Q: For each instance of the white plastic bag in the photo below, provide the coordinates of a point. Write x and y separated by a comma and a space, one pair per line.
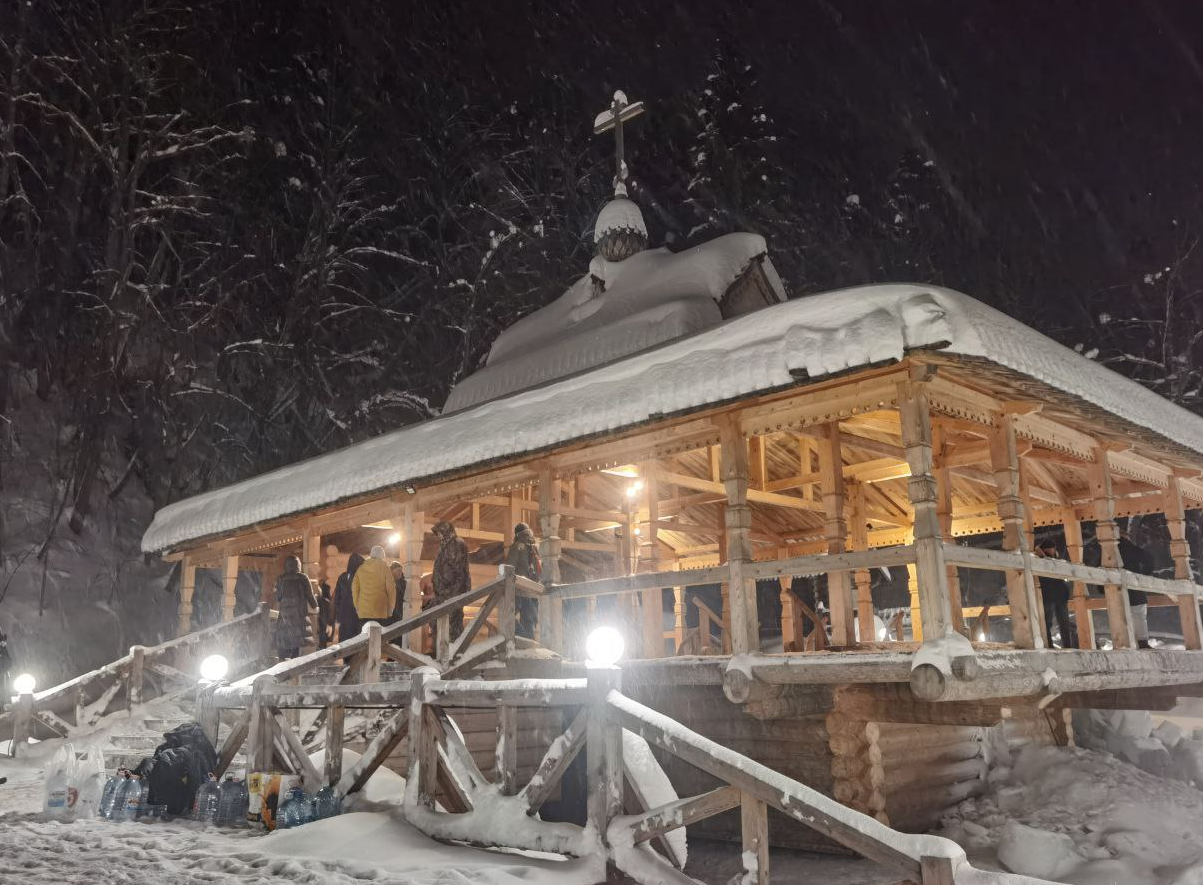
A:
90, 779
61, 792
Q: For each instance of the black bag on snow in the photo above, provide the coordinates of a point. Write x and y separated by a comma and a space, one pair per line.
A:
182, 764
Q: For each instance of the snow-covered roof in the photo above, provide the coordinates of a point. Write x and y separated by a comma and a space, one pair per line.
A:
820, 334
652, 297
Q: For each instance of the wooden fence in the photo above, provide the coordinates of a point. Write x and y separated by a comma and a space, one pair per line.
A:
144, 674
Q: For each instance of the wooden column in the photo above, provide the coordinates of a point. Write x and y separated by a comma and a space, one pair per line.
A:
551, 611
314, 568
835, 528
335, 716
422, 753
944, 515
1188, 606
863, 578
505, 761
603, 752
1119, 614
791, 624
187, 590
935, 610
1021, 589
733, 466
230, 588
411, 526
754, 821
653, 600
1080, 599
678, 616
267, 580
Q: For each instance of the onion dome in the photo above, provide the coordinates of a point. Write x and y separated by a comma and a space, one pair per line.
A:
620, 232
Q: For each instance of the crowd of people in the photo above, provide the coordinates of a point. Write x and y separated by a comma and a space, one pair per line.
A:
372, 589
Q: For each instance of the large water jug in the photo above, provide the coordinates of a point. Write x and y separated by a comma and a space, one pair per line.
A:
129, 798
233, 799
108, 799
205, 805
296, 810
326, 804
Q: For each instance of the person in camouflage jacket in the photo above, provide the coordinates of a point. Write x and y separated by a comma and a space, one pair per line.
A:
451, 575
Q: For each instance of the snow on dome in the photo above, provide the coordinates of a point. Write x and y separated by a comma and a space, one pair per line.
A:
650, 298
619, 215
761, 351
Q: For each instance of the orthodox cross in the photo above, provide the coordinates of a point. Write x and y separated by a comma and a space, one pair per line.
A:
619, 112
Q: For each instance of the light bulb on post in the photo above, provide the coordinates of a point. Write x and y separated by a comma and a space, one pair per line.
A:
394, 539
214, 668
25, 684
603, 647
632, 491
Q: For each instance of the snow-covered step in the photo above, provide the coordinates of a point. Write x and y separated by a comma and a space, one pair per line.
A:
135, 741
163, 725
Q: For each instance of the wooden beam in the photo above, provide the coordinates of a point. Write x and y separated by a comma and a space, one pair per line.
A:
683, 813
744, 629
771, 498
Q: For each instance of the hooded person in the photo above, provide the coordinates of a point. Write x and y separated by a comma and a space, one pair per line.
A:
398, 573
451, 576
373, 589
344, 606
523, 555
294, 598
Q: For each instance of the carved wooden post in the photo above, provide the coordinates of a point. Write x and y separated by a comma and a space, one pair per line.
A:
791, 632
423, 750
864, 581
1188, 606
835, 528
1021, 589
1119, 614
935, 609
678, 616
187, 590
229, 597
314, 568
260, 744
335, 716
133, 679
412, 528
744, 629
653, 600
603, 750
551, 611
944, 515
1080, 599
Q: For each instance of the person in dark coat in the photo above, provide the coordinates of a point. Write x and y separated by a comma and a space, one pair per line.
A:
325, 616
344, 603
451, 574
1137, 559
399, 582
294, 598
1055, 594
523, 555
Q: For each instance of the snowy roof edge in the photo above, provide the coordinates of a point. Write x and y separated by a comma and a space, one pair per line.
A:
765, 350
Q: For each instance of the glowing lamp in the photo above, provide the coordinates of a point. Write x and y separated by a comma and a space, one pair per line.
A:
632, 491
25, 684
394, 539
603, 647
214, 668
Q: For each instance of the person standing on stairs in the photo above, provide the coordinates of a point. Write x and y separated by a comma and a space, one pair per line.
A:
345, 615
294, 598
523, 555
398, 573
374, 590
451, 574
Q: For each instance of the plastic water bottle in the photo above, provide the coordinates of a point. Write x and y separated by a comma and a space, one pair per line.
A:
108, 799
232, 801
205, 806
296, 809
326, 804
129, 798
56, 793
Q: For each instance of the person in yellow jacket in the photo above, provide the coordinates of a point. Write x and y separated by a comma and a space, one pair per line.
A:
373, 589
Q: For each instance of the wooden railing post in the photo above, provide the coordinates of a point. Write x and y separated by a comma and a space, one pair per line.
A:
133, 679
260, 745
422, 756
1080, 598
506, 763
507, 608
187, 589
936, 871
603, 750
369, 669
208, 715
22, 722
335, 715
754, 824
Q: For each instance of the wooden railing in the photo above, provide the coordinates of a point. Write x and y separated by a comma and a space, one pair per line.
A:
263, 728
495, 811
84, 700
